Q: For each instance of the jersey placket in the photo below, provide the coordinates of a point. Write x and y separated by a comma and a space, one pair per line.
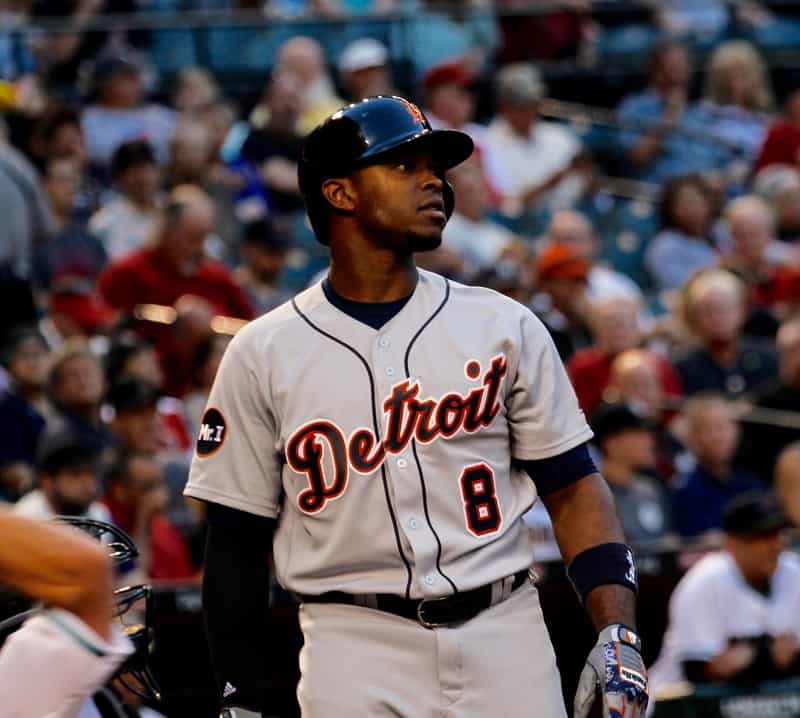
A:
403, 476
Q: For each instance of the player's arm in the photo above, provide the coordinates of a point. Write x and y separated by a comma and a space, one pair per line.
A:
235, 603
58, 566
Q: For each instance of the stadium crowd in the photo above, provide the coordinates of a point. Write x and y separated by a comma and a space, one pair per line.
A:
147, 211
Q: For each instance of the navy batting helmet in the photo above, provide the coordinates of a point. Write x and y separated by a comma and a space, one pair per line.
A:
364, 133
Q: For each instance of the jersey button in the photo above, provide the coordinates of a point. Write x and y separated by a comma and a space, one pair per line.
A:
429, 580
412, 524
402, 463
384, 342
389, 371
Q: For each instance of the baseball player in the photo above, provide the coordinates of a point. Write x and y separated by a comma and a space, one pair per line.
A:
62, 655
388, 429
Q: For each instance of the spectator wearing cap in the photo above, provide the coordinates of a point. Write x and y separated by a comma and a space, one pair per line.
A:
713, 306
532, 163
364, 69
712, 436
129, 220
627, 444
120, 113
573, 227
685, 241
450, 100
562, 303
137, 497
175, 272
733, 617
67, 478
24, 406
764, 438
263, 251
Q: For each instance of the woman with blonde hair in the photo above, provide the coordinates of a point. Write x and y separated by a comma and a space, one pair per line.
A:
737, 100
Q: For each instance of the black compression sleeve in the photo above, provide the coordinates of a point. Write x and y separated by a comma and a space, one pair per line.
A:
236, 602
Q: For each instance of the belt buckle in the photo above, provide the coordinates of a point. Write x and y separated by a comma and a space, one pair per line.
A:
420, 610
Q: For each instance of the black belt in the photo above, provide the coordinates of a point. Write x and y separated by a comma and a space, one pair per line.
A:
431, 612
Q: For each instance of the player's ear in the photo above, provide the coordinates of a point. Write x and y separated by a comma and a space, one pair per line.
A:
339, 192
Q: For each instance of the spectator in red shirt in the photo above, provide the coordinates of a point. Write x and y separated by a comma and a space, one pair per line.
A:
136, 496
175, 273
782, 144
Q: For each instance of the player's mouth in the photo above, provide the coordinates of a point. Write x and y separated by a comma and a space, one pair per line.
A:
434, 208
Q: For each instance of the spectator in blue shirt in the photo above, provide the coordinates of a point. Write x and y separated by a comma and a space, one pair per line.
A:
699, 495
655, 139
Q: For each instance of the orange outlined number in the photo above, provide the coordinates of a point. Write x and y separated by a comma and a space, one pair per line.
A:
480, 500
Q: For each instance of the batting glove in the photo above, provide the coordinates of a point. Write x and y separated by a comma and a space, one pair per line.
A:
615, 668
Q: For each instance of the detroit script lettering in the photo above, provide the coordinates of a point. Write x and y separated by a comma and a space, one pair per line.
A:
409, 418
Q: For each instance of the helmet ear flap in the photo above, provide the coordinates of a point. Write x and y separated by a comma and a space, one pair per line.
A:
449, 197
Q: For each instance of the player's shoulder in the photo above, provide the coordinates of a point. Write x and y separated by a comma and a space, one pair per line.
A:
272, 326
485, 300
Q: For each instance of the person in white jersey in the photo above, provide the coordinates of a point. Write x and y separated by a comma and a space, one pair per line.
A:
389, 429
735, 615
51, 666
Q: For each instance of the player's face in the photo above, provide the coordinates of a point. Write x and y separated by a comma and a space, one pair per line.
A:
401, 203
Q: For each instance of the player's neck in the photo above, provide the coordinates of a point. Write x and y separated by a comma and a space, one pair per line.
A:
382, 278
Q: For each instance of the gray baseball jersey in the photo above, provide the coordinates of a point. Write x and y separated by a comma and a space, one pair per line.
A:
387, 454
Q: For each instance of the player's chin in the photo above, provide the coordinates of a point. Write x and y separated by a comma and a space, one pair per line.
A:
425, 239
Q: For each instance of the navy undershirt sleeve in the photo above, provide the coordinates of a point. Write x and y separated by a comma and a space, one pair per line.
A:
558, 472
373, 314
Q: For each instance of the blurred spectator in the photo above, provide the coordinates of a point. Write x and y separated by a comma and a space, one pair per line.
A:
449, 91
219, 117
685, 242
263, 251
137, 497
67, 481
365, 69
615, 329
191, 163
780, 187
128, 221
562, 304
628, 449
77, 387
782, 144
119, 112
28, 222
129, 355
787, 482
195, 89
303, 57
575, 229
58, 135
16, 53
764, 439
713, 307
733, 617
655, 138
74, 257
530, 162
645, 381
712, 435
756, 257
204, 368
477, 240
735, 106
175, 267
706, 21
24, 406
135, 421
509, 277
274, 141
